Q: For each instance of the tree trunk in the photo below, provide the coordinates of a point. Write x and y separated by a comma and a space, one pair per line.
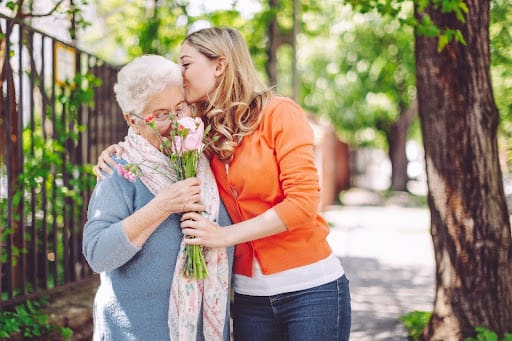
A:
397, 140
272, 45
295, 34
470, 224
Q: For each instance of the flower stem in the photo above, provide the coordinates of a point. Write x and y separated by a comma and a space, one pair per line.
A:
195, 265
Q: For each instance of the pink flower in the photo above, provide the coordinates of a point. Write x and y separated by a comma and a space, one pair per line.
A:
149, 118
126, 173
190, 134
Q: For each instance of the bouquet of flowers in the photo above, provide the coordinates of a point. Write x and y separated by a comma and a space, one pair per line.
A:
183, 146
186, 145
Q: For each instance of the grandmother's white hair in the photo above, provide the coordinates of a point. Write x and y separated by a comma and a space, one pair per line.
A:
143, 77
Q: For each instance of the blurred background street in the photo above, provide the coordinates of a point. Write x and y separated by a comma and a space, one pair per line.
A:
388, 257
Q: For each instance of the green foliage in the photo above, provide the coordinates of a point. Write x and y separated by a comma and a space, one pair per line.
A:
73, 11
156, 26
484, 334
361, 74
415, 322
356, 62
29, 320
10, 5
425, 26
50, 181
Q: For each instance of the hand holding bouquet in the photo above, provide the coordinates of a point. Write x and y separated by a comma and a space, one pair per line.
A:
184, 146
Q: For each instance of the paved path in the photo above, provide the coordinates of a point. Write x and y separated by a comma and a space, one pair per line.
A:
388, 257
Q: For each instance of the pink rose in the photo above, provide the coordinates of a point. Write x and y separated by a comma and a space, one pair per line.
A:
190, 134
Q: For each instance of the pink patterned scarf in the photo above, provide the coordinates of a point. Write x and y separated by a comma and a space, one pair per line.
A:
187, 295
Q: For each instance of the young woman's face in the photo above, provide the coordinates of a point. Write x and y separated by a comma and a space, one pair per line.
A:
199, 73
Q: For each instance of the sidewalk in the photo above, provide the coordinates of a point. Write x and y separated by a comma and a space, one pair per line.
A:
388, 257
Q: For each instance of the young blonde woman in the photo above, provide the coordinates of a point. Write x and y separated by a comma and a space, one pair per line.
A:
288, 283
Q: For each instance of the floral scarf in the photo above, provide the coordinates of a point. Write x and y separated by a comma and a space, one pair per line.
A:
187, 295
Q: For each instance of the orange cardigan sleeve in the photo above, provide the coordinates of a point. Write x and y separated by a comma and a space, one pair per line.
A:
287, 130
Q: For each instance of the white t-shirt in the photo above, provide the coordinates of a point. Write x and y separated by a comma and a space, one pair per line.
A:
303, 277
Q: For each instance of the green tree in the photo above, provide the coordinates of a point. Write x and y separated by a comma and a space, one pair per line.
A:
362, 76
470, 223
156, 26
459, 121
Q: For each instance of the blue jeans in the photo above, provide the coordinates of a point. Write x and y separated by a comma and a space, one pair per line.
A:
321, 313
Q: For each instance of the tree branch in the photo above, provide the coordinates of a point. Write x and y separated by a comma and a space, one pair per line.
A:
32, 15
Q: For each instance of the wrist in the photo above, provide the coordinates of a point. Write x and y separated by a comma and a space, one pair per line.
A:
162, 207
230, 236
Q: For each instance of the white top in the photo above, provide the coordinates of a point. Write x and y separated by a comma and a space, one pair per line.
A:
303, 277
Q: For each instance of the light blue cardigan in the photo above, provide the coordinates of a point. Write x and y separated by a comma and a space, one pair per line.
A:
132, 301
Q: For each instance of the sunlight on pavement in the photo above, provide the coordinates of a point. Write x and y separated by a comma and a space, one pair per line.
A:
388, 257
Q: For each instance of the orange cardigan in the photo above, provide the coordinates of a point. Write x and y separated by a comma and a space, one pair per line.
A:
274, 167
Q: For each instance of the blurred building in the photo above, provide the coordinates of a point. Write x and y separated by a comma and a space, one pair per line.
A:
332, 161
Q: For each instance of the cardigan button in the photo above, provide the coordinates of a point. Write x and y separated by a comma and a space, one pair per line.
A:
235, 193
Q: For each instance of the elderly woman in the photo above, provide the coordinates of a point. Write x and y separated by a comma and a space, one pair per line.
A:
133, 235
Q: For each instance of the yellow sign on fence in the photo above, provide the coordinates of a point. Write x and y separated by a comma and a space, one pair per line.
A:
65, 63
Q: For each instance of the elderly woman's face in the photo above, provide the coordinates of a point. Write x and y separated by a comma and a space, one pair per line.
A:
170, 99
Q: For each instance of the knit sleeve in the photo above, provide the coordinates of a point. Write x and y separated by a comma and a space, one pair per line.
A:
105, 244
293, 140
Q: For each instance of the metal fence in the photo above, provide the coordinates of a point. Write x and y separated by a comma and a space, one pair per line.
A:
55, 118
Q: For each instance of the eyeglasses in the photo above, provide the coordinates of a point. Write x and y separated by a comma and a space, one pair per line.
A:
162, 115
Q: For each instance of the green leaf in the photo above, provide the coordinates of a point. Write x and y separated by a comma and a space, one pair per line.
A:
11, 5
415, 322
66, 332
459, 37
442, 41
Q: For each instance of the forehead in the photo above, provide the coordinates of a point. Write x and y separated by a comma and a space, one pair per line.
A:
187, 50
168, 98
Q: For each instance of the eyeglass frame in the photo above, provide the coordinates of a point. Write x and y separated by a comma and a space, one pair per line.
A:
163, 115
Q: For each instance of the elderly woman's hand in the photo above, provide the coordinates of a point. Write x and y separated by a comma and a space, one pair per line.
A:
105, 161
181, 196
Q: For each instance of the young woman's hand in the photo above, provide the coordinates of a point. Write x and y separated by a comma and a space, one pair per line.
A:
209, 234
205, 232
105, 161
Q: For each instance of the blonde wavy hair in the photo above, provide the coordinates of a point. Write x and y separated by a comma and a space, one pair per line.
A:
234, 106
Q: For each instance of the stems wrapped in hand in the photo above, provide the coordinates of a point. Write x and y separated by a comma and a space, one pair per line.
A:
186, 145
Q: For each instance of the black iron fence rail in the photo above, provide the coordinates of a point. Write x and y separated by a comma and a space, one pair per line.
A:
52, 127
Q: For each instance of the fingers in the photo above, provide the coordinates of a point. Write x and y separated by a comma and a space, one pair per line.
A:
117, 149
100, 169
192, 241
187, 207
105, 161
107, 168
190, 216
192, 182
99, 174
191, 224
105, 157
187, 187
203, 232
